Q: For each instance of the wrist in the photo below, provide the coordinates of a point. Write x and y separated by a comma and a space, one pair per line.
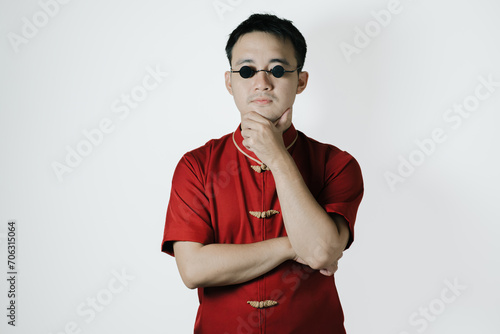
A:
288, 251
280, 162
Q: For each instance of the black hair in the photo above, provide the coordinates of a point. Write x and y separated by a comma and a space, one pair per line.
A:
274, 25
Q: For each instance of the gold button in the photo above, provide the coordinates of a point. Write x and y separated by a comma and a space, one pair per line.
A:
263, 214
262, 303
260, 169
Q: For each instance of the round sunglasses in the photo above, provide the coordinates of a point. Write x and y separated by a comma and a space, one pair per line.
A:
277, 71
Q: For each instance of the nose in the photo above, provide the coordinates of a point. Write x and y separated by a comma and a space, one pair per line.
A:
262, 81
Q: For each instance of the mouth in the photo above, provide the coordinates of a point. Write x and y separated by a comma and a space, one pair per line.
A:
262, 102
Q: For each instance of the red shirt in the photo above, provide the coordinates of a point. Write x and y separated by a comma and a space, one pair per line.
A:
216, 197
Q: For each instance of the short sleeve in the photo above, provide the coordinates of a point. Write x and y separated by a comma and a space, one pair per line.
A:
343, 189
188, 215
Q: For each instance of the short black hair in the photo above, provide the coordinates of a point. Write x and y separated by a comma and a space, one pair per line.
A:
274, 25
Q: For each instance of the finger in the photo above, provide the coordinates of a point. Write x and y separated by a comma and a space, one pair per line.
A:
248, 133
248, 123
326, 272
245, 133
330, 270
246, 144
256, 117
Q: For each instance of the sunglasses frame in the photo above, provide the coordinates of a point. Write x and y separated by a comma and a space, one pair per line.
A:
272, 71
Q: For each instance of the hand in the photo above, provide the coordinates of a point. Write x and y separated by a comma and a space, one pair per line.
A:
329, 271
263, 137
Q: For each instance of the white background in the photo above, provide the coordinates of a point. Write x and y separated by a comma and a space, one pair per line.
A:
107, 214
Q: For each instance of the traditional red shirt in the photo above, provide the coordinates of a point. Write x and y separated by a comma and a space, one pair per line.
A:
220, 194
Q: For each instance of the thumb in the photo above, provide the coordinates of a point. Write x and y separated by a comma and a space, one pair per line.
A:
284, 119
326, 272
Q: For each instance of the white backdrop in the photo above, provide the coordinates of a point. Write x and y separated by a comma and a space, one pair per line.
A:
100, 99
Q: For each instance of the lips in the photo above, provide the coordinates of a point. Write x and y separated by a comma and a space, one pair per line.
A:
262, 101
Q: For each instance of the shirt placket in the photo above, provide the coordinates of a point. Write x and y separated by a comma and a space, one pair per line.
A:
263, 218
264, 214
260, 218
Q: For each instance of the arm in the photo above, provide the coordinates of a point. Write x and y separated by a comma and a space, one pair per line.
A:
317, 238
224, 264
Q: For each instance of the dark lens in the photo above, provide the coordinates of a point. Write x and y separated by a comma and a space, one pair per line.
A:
278, 71
246, 72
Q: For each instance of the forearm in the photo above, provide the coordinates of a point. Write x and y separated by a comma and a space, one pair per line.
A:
225, 264
313, 234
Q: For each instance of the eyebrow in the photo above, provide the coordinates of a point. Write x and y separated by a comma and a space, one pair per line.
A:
279, 60
274, 60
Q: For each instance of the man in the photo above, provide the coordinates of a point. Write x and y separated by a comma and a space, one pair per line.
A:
259, 218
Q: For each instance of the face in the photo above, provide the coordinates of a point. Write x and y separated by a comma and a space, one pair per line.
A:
263, 93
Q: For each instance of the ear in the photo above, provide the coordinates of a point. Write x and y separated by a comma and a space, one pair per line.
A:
301, 85
227, 77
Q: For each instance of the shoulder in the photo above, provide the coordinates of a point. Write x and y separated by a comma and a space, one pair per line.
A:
320, 150
196, 159
214, 145
341, 172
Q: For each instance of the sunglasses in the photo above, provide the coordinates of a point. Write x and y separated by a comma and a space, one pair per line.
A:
277, 71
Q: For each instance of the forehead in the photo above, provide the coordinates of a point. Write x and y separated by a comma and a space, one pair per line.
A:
262, 48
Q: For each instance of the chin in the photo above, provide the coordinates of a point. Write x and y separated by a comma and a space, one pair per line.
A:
271, 115
268, 112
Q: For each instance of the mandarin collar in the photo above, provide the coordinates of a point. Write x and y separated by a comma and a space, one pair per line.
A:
289, 138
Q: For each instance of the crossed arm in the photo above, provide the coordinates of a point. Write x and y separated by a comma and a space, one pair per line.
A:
314, 237
224, 264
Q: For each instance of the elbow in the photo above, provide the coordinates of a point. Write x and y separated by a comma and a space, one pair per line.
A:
319, 261
190, 284
324, 257
190, 279
190, 263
